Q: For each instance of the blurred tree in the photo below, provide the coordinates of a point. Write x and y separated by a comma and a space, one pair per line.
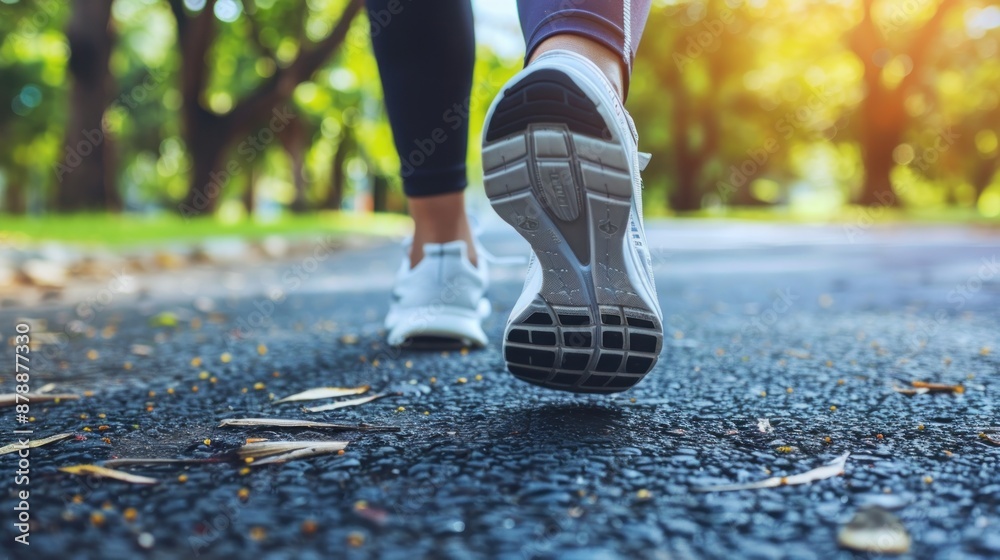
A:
893, 68
210, 134
881, 101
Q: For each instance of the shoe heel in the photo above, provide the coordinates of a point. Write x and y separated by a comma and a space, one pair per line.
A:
565, 348
555, 173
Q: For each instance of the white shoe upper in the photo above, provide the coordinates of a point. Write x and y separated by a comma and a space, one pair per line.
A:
443, 296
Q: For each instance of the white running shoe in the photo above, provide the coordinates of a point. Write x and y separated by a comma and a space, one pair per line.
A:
562, 166
441, 301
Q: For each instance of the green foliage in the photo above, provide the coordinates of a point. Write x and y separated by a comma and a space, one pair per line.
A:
740, 102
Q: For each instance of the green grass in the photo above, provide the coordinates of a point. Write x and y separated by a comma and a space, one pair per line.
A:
122, 230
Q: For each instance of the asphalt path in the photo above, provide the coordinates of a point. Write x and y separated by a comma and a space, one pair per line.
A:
810, 327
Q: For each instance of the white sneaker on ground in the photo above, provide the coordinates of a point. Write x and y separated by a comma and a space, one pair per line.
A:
441, 301
561, 165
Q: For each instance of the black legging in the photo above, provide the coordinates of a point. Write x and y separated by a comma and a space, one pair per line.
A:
426, 50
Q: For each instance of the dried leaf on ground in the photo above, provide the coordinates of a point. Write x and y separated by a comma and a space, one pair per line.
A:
287, 423
874, 529
830, 470
989, 439
377, 516
128, 461
48, 387
938, 387
45, 274
324, 393
34, 443
104, 472
269, 452
351, 402
11, 399
922, 387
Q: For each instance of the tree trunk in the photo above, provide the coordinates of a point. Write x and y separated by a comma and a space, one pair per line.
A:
876, 157
250, 194
338, 175
982, 175
209, 172
86, 179
14, 200
295, 139
380, 193
686, 196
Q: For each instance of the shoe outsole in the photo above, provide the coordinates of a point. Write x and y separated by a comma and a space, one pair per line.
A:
433, 328
554, 171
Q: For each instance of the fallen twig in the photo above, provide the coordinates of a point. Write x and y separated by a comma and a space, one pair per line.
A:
34, 443
286, 423
352, 402
324, 393
103, 472
831, 470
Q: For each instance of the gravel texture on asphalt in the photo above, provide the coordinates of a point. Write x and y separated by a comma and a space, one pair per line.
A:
809, 327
